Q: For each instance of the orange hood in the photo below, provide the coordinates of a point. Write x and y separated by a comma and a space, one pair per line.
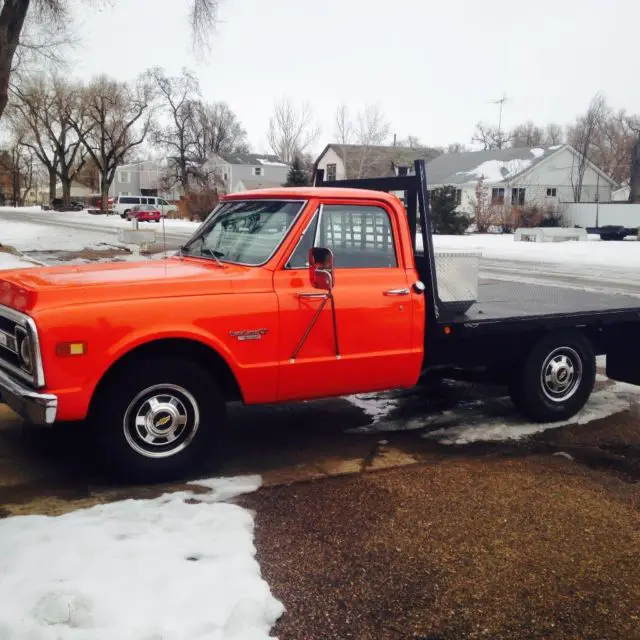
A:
48, 287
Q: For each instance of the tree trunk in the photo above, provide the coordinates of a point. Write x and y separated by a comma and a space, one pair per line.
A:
53, 179
634, 179
12, 19
66, 191
105, 193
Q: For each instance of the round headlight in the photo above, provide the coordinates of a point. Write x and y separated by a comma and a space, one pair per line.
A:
25, 354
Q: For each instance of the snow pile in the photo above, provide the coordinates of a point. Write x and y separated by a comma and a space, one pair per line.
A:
375, 407
537, 153
180, 566
497, 170
9, 261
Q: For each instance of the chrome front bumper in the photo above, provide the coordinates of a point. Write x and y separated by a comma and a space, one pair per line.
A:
31, 406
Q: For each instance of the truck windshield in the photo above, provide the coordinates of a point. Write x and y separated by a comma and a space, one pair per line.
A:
244, 231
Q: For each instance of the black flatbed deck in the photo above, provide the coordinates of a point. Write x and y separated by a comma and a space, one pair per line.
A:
500, 301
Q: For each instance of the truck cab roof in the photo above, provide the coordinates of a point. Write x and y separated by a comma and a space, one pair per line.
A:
308, 193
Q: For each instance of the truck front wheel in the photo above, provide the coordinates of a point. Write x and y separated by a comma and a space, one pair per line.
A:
157, 419
556, 379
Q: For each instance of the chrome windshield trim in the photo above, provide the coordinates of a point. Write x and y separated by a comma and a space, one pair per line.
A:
198, 233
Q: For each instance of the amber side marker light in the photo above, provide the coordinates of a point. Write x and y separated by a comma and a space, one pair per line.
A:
67, 349
447, 330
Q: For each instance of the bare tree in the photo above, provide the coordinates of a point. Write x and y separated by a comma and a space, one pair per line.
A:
456, 147
219, 131
553, 134
581, 137
54, 15
634, 178
19, 164
490, 137
111, 119
527, 135
176, 133
291, 130
41, 108
369, 128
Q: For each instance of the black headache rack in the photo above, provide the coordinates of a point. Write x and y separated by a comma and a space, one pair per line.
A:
416, 200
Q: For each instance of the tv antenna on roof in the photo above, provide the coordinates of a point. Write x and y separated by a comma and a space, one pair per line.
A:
501, 102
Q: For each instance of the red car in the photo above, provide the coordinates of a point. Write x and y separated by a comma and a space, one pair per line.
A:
145, 213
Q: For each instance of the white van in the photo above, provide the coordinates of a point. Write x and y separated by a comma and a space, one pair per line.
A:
123, 204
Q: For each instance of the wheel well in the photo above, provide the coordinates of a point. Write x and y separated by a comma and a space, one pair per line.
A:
182, 348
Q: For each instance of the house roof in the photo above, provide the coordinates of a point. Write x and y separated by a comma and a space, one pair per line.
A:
253, 158
251, 184
495, 166
362, 161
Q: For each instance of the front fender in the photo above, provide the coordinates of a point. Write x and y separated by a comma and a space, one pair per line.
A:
113, 330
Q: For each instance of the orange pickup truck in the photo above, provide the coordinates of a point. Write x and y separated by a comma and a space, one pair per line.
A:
285, 295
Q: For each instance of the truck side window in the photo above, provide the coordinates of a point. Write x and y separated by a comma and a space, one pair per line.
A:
360, 237
299, 257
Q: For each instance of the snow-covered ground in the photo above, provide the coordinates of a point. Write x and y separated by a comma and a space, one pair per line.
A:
27, 236
99, 221
488, 420
177, 567
592, 253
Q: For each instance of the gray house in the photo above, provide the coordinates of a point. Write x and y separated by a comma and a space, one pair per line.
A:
246, 171
142, 178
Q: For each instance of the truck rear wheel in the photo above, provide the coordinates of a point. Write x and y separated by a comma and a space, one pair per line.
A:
556, 379
157, 419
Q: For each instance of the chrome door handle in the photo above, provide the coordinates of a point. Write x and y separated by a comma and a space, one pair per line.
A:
397, 292
312, 295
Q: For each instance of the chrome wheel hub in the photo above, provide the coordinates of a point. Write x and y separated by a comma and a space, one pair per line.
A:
561, 374
161, 421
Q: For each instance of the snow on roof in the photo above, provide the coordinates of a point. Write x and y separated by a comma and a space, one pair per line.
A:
495, 166
272, 163
496, 170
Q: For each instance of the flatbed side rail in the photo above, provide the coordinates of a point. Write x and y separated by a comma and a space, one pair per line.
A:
416, 197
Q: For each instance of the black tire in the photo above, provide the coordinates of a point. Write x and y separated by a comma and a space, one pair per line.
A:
127, 212
181, 391
556, 379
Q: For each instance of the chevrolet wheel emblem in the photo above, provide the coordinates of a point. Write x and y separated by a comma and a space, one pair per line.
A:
163, 421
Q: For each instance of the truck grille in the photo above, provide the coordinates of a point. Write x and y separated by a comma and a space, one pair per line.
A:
15, 328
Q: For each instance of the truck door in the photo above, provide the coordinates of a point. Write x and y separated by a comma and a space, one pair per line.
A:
375, 308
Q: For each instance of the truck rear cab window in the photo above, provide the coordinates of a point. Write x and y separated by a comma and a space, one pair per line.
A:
361, 237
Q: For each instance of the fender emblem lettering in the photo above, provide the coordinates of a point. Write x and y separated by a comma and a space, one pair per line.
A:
249, 334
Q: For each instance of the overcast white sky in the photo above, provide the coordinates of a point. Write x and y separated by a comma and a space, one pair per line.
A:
433, 66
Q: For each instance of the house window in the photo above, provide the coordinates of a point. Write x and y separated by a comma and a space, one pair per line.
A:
551, 193
497, 196
123, 176
517, 197
331, 172
257, 171
458, 196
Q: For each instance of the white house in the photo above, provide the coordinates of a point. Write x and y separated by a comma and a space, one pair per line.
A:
519, 176
245, 171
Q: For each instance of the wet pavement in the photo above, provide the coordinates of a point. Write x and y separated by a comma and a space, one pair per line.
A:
376, 531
